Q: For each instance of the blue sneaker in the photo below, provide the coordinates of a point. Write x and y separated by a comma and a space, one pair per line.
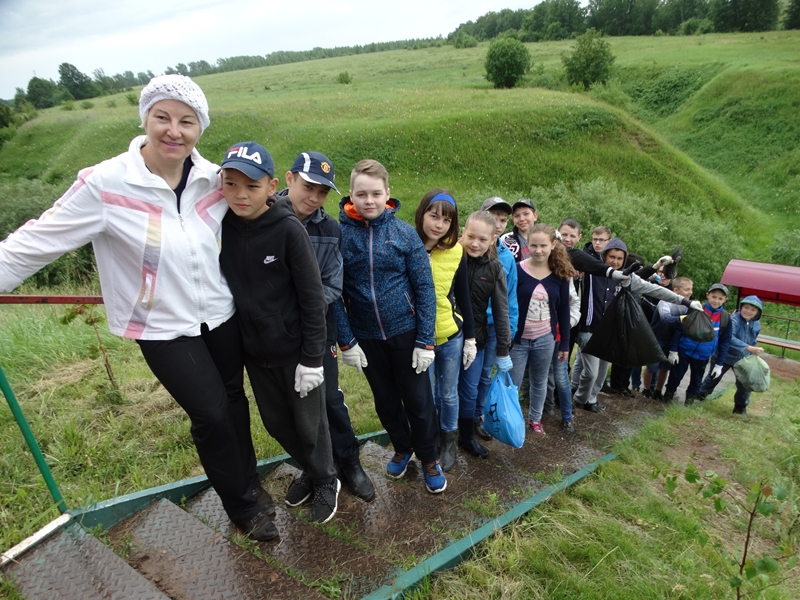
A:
397, 466
435, 480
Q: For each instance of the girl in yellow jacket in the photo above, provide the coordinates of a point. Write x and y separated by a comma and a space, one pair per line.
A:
436, 222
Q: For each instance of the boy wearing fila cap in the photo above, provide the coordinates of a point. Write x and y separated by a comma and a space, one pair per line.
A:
309, 181
272, 270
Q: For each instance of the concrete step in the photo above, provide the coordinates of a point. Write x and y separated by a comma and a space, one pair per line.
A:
189, 560
75, 565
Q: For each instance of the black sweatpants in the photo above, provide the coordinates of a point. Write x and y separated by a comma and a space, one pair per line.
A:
204, 375
299, 424
343, 438
403, 398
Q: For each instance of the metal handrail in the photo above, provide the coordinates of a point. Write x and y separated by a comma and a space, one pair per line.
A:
16, 410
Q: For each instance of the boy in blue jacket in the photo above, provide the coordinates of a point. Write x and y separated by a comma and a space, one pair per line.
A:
694, 355
386, 319
745, 327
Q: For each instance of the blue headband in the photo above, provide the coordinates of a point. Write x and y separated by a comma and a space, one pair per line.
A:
444, 198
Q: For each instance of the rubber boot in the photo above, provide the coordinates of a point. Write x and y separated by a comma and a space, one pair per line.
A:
466, 439
359, 481
447, 449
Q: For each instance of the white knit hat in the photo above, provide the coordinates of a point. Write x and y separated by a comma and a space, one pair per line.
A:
174, 87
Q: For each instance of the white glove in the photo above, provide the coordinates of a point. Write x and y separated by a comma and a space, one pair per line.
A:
354, 357
504, 364
469, 353
673, 358
663, 262
696, 305
619, 276
716, 371
421, 359
307, 378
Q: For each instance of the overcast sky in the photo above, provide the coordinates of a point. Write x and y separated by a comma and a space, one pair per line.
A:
38, 35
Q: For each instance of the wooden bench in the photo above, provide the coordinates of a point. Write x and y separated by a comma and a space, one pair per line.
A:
779, 342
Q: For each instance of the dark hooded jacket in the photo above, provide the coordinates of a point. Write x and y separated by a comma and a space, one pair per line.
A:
272, 271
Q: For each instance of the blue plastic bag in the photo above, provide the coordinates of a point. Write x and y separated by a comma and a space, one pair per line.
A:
502, 415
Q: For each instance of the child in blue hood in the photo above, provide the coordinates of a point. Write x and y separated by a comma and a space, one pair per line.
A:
745, 327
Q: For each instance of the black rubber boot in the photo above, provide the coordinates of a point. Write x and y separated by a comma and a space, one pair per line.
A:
359, 481
466, 439
447, 449
480, 431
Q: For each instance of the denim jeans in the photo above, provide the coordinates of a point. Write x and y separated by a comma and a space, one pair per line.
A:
696, 368
561, 377
489, 358
538, 354
740, 399
444, 381
468, 387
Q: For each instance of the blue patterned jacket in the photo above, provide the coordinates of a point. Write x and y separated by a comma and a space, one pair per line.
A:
388, 286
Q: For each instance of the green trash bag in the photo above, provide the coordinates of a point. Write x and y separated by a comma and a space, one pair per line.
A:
753, 373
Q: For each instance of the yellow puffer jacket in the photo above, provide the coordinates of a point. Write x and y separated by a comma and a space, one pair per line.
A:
444, 264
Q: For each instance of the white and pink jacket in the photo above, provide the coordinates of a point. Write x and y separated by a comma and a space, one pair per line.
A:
159, 270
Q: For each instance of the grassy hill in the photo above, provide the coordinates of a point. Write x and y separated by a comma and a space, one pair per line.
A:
661, 164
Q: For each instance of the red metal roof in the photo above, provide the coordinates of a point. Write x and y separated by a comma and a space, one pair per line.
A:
771, 283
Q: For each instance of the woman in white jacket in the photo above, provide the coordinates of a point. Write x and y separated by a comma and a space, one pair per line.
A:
153, 215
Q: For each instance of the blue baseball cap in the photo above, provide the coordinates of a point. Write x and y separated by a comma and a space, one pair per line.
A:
315, 167
251, 159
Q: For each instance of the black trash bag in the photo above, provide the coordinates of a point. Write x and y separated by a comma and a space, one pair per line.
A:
624, 336
697, 326
671, 270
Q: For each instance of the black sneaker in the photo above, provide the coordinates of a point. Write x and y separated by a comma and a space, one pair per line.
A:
325, 502
740, 410
628, 393
668, 396
359, 481
265, 502
567, 427
690, 400
647, 393
300, 490
594, 407
657, 395
260, 527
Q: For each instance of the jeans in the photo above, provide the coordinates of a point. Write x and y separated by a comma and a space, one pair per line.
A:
577, 369
489, 358
740, 399
444, 381
561, 375
697, 368
538, 354
468, 387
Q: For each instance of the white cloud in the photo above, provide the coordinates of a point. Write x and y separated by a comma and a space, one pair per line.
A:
38, 35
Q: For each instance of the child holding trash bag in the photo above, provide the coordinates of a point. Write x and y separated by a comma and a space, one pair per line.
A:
745, 326
436, 221
693, 355
543, 281
487, 280
598, 293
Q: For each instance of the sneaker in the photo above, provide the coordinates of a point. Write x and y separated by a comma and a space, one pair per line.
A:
628, 393
536, 426
264, 500
690, 400
300, 490
740, 410
359, 481
594, 407
668, 396
435, 481
325, 502
567, 427
657, 395
647, 393
397, 466
260, 527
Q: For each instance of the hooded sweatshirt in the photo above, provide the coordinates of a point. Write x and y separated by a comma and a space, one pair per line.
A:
600, 290
743, 333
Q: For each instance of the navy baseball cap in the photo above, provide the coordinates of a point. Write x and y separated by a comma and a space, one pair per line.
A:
251, 159
315, 167
496, 203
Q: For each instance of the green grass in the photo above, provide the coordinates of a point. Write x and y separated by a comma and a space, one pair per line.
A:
618, 535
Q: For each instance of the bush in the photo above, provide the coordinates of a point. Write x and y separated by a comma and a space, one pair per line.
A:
344, 78
507, 60
591, 60
695, 26
111, 104
86, 105
132, 99
465, 40
6, 133
68, 105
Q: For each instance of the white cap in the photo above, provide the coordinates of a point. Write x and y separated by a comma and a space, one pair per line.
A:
174, 87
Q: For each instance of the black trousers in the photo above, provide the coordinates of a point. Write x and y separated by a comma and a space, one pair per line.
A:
204, 375
403, 398
343, 438
299, 424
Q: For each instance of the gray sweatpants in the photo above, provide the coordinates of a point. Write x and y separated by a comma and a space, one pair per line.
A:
593, 374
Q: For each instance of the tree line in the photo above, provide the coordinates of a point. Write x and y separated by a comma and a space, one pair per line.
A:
561, 19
